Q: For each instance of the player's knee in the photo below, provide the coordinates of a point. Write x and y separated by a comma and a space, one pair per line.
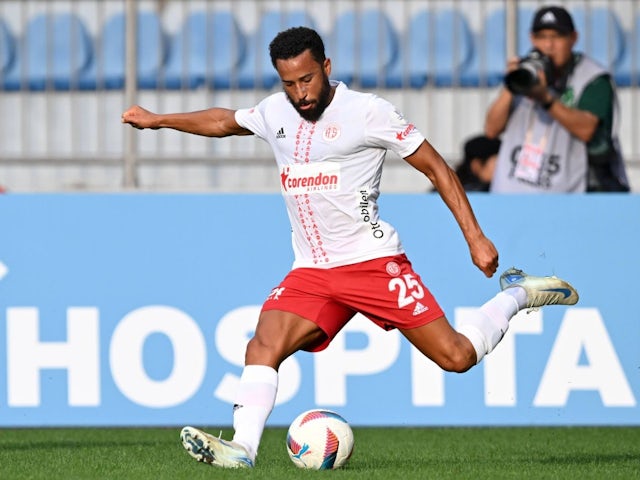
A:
456, 360
263, 352
258, 346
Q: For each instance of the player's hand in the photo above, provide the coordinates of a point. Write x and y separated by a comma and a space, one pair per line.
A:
140, 118
484, 256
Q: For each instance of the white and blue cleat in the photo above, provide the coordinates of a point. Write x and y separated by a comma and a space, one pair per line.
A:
541, 291
213, 450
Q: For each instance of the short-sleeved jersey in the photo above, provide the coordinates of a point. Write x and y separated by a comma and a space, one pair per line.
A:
330, 173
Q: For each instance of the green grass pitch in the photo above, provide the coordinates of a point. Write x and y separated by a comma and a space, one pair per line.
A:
379, 453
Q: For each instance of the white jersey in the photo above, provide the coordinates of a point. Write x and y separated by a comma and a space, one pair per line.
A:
330, 173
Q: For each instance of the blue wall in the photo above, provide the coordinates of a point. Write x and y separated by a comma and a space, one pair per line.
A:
135, 309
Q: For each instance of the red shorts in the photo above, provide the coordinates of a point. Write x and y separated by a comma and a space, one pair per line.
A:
386, 290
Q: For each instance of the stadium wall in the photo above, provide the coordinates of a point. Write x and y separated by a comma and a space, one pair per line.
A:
133, 310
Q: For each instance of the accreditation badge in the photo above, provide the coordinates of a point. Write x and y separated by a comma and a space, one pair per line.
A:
529, 163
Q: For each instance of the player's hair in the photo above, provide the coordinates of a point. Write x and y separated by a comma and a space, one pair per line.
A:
292, 42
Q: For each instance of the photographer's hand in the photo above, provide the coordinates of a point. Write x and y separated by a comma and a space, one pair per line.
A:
580, 123
540, 92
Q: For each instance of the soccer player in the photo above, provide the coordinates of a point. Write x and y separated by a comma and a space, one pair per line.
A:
329, 143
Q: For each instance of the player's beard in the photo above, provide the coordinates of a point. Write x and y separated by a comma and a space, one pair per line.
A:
314, 113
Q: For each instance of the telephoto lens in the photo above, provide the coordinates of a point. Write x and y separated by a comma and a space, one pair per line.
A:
521, 80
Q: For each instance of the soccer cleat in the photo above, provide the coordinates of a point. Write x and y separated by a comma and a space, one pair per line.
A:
212, 450
540, 290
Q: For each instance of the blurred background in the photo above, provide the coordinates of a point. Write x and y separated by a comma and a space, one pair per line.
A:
68, 68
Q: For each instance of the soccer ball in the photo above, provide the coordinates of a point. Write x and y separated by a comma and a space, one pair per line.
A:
319, 440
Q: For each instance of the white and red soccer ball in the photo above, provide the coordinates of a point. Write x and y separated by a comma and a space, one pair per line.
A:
319, 440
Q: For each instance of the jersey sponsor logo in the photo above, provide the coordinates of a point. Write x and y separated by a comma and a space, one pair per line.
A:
310, 178
280, 133
331, 133
405, 133
366, 214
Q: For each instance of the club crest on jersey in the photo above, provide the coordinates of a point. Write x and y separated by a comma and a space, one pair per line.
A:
393, 269
310, 177
331, 133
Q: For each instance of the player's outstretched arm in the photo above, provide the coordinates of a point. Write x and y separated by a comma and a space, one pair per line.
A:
427, 160
214, 122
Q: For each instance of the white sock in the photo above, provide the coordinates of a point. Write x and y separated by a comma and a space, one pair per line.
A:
519, 293
486, 329
254, 401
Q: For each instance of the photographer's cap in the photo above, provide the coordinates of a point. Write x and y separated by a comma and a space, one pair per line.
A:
553, 18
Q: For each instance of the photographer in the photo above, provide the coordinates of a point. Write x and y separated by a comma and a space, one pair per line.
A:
558, 115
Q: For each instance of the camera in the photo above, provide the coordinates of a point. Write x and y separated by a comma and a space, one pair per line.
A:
521, 80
